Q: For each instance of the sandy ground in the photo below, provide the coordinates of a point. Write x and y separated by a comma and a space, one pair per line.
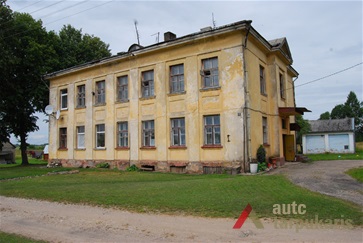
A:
56, 222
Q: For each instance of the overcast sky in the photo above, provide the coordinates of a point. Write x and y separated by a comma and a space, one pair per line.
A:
324, 37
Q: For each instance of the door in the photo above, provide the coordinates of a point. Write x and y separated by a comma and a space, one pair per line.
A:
289, 147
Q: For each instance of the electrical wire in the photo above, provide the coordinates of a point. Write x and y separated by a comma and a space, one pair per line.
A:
28, 5
71, 15
327, 76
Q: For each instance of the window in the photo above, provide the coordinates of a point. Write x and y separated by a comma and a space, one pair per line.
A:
81, 96
262, 81
147, 84
80, 137
264, 130
178, 132
123, 134
122, 88
212, 130
63, 138
210, 72
282, 86
100, 93
100, 136
148, 135
64, 99
177, 78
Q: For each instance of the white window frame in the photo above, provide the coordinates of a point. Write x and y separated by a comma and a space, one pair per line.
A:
63, 99
100, 131
123, 134
148, 133
210, 73
177, 84
177, 131
213, 130
147, 84
81, 139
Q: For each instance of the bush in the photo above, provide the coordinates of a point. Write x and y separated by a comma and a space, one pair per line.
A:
261, 154
133, 168
103, 165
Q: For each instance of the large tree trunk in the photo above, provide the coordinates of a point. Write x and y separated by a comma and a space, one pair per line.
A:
23, 147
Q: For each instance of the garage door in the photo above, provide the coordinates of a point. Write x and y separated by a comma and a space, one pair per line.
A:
338, 142
315, 144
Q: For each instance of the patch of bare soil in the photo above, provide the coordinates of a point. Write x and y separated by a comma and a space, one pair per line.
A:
57, 222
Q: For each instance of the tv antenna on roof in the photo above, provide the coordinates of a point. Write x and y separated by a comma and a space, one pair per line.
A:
157, 37
213, 21
137, 32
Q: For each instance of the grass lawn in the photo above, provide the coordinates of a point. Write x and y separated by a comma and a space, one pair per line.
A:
202, 195
13, 238
358, 155
356, 173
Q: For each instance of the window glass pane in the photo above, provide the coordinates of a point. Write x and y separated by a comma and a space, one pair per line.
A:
208, 120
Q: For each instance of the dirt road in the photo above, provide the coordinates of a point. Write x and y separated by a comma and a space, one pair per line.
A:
56, 222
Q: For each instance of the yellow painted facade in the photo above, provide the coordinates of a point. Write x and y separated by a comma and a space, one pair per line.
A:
236, 101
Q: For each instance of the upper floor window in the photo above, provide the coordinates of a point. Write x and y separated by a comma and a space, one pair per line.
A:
178, 132
177, 78
123, 133
210, 72
262, 81
81, 96
264, 130
212, 130
147, 83
122, 88
63, 99
148, 133
80, 137
100, 136
282, 86
100, 93
63, 138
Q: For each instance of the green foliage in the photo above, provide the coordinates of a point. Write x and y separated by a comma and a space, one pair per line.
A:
27, 52
104, 165
304, 128
262, 166
132, 168
352, 108
261, 154
201, 195
325, 116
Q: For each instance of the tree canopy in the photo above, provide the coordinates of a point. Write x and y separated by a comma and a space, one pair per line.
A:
352, 108
27, 52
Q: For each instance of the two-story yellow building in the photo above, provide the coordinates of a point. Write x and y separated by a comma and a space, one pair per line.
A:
201, 103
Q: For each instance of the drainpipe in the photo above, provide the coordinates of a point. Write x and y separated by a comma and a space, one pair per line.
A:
246, 113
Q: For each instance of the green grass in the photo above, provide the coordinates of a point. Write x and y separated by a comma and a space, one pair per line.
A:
202, 195
358, 155
13, 238
356, 173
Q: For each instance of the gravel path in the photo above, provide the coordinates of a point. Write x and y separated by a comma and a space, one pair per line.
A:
326, 177
57, 222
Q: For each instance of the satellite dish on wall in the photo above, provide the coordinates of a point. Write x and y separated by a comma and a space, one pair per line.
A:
57, 114
49, 109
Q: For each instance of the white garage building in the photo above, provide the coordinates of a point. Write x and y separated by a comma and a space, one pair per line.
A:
332, 136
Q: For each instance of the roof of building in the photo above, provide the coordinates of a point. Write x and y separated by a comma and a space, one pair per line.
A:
278, 45
335, 125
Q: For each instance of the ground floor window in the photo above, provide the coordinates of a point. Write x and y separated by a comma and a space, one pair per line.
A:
212, 130
80, 137
178, 132
100, 136
123, 133
63, 138
148, 133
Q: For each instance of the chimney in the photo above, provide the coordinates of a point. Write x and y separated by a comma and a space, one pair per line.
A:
169, 36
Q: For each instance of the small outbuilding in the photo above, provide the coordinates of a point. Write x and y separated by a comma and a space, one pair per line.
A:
330, 136
7, 153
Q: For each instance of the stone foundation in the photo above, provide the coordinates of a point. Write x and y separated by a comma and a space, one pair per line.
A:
195, 167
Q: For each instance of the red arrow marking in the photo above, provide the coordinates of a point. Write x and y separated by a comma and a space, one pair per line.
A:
242, 218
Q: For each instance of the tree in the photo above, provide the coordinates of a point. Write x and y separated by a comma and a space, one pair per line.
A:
325, 116
27, 52
352, 108
304, 128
